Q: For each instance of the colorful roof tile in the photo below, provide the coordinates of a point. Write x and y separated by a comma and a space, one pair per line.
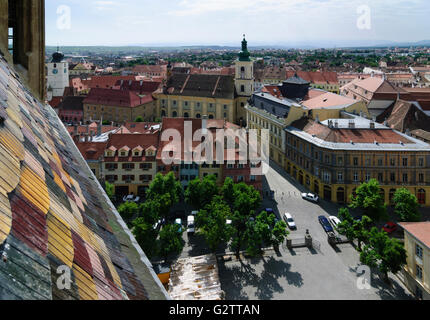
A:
55, 219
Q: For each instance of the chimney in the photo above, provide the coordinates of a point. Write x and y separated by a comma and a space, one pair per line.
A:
372, 125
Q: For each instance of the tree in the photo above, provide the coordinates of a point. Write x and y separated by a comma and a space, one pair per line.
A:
353, 229
139, 119
145, 235
369, 199
201, 192
166, 190
279, 234
406, 206
128, 210
384, 253
212, 223
152, 210
171, 241
109, 188
227, 190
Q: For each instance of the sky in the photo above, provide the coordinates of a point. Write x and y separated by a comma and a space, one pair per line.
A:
328, 23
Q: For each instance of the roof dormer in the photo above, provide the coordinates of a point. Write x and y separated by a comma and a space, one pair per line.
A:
124, 151
137, 152
150, 151
110, 152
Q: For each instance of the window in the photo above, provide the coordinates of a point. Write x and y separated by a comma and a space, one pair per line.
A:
340, 161
11, 40
392, 162
340, 176
392, 177
380, 162
419, 273
405, 162
355, 176
242, 88
421, 162
128, 166
380, 177
240, 179
405, 178
355, 161
367, 176
421, 178
419, 251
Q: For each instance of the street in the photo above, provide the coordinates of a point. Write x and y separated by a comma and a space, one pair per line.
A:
322, 273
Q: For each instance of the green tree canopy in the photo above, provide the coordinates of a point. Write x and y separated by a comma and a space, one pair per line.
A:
201, 192
109, 188
139, 119
406, 206
212, 223
146, 236
128, 210
369, 199
382, 252
171, 241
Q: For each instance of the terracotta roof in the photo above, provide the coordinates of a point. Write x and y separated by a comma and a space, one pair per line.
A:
105, 82
55, 102
91, 150
117, 98
150, 69
316, 77
131, 141
420, 230
328, 100
273, 90
347, 135
55, 214
178, 124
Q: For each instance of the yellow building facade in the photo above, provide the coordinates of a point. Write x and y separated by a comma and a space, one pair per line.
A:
417, 270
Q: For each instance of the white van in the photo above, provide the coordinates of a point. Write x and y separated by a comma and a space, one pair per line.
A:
190, 225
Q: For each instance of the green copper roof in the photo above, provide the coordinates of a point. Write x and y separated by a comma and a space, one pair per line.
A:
244, 54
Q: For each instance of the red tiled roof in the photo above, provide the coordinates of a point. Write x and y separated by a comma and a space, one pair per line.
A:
150, 69
420, 230
347, 135
317, 77
105, 82
131, 141
55, 102
178, 124
92, 127
91, 150
327, 100
120, 98
273, 90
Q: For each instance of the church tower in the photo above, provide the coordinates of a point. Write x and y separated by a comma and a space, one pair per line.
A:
244, 81
58, 74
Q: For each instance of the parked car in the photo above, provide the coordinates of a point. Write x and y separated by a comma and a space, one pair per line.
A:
179, 222
290, 221
269, 210
190, 225
390, 227
310, 197
194, 213
131, 198
228, 222
334, 221
325, 224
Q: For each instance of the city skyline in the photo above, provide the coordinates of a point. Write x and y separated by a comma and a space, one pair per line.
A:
293, 23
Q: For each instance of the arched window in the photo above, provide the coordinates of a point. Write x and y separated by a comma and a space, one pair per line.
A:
163, 113
198, 116
186, 115
174, 114
211, 116
391, 196
340, 195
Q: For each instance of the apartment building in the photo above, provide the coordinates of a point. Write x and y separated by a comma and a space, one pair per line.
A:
417, 270
333, 157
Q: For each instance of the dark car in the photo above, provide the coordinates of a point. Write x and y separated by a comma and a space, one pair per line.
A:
269, 210
325, 224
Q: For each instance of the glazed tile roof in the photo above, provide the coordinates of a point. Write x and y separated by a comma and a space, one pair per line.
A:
54, 214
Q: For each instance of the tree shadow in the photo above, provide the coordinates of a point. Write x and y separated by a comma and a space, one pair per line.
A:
235, 278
